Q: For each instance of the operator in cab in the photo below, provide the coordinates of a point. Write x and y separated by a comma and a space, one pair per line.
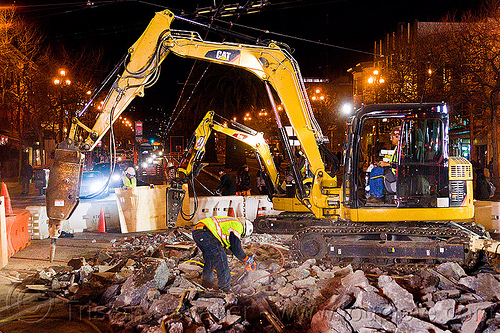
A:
129, 179
383, 171
212, 236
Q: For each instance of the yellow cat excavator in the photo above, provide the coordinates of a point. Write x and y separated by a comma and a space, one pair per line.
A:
412, 221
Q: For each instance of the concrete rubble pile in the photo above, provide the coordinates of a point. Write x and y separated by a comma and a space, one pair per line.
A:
149, 281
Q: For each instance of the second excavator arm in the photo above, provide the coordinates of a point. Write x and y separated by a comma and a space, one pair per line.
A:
190, 163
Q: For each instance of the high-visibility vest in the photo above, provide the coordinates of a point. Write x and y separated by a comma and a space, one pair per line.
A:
129, 182
222, 226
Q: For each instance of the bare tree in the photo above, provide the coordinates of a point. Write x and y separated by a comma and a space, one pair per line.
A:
468, 58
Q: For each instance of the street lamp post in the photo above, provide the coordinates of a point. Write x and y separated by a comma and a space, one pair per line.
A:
376, 80
62, 81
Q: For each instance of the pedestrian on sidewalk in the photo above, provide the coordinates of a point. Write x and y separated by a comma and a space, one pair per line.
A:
212, 236
261, 182
26, 175
243, 181
226, 185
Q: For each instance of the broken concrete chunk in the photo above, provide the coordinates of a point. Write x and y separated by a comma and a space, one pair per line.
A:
152, 329
164, 305
469, 282
151, 295
278, 281
401, 298
213, 305
484, 284
469, 298
110, 293
73, 288
308, 263
175, 327
47, 274
154, 273
451, 270
357, 281
298, 273
190, 270
473, 308
230, 319
338, 301
181, 282
412, 324
373, 302
325, 275
359, 319
258, 276
445, 294
85, 272
328, 321
443, 311
305, 283
287, 291
342, 271
488, 287
475, 323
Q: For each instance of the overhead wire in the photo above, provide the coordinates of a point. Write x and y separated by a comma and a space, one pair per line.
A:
65, 8
265, 31
173, 120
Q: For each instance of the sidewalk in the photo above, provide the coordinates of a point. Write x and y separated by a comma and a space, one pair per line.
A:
21, 201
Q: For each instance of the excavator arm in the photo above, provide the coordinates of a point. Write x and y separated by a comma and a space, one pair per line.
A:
273, 64
190, 163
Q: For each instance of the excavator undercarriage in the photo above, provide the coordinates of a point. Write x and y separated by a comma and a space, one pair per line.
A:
413, 244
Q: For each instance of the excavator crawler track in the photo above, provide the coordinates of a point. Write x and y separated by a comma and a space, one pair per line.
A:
406, 246
287, 223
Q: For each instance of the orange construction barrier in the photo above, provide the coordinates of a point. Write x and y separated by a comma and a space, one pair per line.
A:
260, 209
18, 236
230, 210
8, 205
101, 225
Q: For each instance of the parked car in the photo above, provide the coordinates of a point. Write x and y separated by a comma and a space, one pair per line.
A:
93, 182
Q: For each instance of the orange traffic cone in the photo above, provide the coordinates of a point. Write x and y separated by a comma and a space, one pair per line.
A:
260, 209
101, 225
8, 205
230, 210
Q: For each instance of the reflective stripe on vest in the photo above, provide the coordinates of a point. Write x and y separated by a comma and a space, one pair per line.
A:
222, 226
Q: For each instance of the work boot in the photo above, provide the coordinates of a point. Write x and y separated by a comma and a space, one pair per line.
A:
208, 284
374, 200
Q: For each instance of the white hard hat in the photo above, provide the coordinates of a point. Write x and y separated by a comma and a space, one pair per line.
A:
130, 171
247, 226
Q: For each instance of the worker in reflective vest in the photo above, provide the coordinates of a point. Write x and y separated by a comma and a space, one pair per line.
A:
214, 234
129, 179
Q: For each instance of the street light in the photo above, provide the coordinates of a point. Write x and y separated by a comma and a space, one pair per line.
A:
376, 80
62, 81
347, 108
318, 96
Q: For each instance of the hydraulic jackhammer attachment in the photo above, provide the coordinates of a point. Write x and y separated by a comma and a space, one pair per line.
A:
175, 198
63, 190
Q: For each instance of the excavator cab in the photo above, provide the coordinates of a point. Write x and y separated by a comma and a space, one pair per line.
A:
418, 179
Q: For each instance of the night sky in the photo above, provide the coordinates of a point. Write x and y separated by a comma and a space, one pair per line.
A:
350, 27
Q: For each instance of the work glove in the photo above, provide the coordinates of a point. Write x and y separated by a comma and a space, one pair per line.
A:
250, 261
